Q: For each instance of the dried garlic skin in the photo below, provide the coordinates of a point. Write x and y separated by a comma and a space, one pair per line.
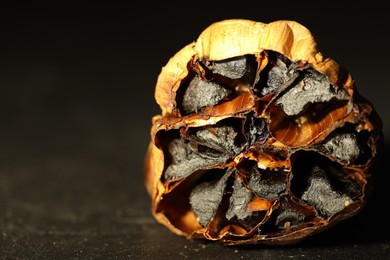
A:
261, 138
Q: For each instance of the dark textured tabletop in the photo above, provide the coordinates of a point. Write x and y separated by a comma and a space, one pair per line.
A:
76, 101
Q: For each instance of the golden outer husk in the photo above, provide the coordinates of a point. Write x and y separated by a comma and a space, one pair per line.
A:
227, 39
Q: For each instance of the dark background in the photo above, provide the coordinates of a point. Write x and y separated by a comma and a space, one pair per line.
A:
76, 101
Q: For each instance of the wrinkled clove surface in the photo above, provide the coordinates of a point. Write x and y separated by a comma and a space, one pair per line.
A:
265, 146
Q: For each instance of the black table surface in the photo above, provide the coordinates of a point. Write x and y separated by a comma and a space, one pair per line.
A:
76, 101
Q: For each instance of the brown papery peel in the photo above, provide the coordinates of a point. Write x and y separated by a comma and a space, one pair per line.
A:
261, 138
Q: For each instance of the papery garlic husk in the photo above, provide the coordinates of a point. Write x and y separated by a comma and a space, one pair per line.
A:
261, 138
